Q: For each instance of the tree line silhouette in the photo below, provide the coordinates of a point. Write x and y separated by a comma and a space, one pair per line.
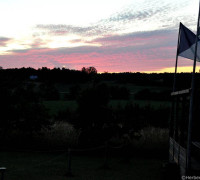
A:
88, 74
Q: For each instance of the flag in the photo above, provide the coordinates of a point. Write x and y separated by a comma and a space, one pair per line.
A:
187, 43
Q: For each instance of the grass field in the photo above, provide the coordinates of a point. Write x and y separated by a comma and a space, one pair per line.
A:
53, 166
55, 106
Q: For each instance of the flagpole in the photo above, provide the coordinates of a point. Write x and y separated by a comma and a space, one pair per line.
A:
174, 85
176, 64
191, 111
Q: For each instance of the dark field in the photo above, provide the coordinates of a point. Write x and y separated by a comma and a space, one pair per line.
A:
51, 166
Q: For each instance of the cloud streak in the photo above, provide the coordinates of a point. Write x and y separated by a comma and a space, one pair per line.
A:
156, 14
4, 41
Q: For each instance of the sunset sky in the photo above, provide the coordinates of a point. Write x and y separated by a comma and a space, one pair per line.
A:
111, 35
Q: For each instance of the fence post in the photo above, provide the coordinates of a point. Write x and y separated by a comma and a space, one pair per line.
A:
69, 164
105, 164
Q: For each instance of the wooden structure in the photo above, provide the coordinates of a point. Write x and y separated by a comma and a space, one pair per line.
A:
178, 141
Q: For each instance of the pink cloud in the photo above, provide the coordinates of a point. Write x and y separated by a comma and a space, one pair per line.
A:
122, 61
128, 53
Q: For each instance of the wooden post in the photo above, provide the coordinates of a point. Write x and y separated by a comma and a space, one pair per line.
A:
173, 108
105, 163
69, 164
106, 155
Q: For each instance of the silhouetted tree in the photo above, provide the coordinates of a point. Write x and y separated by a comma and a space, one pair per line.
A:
93, 112
89, 70
22, 114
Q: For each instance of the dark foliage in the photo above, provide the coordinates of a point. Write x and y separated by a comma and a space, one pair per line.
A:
47, 91
22, 112
146, 94
119, 92
92, 106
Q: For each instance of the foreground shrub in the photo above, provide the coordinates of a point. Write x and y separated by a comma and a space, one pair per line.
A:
61, 134
152, 138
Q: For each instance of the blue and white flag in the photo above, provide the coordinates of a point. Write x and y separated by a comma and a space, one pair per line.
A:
187, 43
